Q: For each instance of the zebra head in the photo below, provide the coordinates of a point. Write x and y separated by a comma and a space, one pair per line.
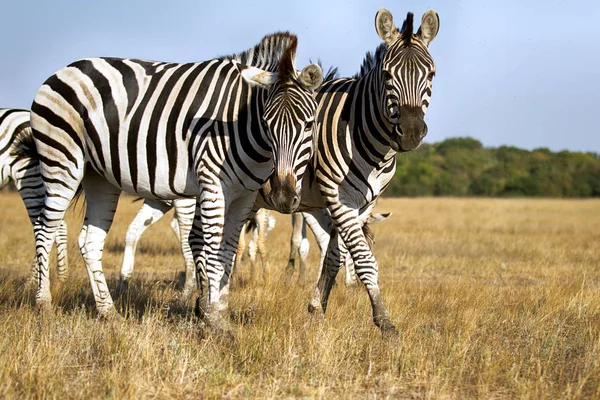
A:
288, 121
407, 72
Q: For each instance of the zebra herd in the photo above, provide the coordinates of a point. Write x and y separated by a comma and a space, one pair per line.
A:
218, 140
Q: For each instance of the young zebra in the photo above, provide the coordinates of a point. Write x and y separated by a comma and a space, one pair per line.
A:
320, 224
19, 163
364, 122
213, 130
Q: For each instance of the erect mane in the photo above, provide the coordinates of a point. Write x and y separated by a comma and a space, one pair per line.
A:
371, 60
331, 74
407, 29
274, 53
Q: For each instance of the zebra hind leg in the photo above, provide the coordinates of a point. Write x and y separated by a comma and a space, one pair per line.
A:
102, 199
184, 215
62, 260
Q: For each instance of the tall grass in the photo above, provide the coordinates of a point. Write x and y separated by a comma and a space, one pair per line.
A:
493, 299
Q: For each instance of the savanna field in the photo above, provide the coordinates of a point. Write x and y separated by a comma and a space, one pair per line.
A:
493, 299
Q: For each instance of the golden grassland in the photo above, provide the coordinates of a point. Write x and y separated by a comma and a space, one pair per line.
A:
493, 299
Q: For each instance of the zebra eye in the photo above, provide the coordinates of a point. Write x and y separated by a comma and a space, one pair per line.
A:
309, 126
430, 76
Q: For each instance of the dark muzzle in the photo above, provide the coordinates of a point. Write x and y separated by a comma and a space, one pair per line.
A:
410, 131
284, 197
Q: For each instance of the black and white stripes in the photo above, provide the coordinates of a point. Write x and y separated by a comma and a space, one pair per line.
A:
364, 121
19, 163
214, 130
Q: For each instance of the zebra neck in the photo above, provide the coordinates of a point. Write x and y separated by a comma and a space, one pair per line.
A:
372, 129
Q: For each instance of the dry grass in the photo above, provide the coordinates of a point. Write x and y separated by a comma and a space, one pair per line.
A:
493, 298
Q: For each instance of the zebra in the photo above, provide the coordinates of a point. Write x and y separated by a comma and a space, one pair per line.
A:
19, 163
320, 224
363, 122
153, 210
214, 130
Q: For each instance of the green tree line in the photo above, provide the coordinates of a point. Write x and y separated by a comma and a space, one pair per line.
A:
463, 167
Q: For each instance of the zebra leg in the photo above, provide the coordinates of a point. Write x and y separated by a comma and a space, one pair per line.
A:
348, 224
150, 213
184, 217
330, 269
295, 242
261, 238
241, 248
61, 184
350, 272
320, 225
252, 250
239, 212
206, 237
62, 260
102, 199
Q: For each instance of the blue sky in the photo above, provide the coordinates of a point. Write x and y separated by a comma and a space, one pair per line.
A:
522, 73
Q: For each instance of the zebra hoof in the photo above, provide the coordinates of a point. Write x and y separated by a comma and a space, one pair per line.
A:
315, 308
389, 331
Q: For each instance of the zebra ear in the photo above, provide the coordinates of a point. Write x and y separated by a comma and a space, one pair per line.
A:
377, 218
258, 77
311, 77
384, 24
430, 25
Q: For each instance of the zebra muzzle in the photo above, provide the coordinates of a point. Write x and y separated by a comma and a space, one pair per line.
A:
284, 197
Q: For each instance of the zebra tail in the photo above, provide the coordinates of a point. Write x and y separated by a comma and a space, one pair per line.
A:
24, 149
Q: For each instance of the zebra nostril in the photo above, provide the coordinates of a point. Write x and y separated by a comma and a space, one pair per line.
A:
295, 202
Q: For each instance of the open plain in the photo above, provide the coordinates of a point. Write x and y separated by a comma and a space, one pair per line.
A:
494, 298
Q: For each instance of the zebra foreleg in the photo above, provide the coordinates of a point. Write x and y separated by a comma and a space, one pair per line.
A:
298, 227
206, 237
102, 199
184, 215
150, 213
349, 227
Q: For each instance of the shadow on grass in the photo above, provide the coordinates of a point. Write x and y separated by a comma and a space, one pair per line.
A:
145, 294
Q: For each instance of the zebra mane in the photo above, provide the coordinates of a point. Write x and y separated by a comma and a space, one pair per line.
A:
331, 74
407, 29
274, 53
371, 60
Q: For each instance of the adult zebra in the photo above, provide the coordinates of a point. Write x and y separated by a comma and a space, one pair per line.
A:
19, 163
152, 210
363, 122
214, 130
